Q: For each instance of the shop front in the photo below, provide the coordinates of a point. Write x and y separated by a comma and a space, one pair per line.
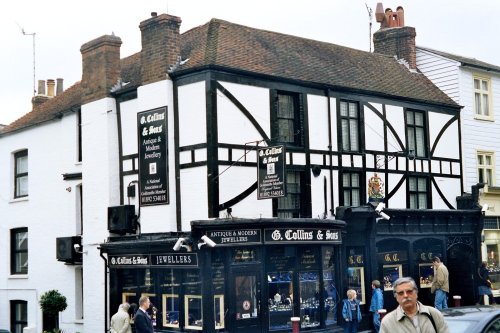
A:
233, 275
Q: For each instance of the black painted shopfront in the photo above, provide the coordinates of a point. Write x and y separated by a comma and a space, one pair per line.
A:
259, 274
405, 244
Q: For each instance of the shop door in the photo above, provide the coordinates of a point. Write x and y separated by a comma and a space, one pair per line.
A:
245, 305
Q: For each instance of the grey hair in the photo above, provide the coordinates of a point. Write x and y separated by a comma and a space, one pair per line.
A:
404, 280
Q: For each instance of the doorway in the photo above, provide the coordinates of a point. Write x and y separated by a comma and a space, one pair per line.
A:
245, 307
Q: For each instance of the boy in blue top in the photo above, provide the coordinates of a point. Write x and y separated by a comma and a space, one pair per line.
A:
351, 312
376, 304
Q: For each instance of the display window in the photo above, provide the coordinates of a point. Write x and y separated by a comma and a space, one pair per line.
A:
391, 273
329, 286
356, 272
426, 275
280, 289
309, 289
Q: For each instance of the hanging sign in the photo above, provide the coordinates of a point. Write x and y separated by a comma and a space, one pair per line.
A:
153, 170
271, 172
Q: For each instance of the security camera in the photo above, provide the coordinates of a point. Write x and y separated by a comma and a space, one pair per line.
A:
485, 208
206, 241
179, 243
379, 208
384, 216
77, 247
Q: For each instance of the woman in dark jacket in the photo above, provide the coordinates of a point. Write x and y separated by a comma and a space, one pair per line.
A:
484, 284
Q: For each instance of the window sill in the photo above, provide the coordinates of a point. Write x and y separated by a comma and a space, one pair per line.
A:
18, 276
484, 118
26, 198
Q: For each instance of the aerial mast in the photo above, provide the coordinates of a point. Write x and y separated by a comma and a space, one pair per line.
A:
33, 34
370, 16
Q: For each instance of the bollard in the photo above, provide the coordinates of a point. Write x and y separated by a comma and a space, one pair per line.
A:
382, 313
456, 300
295, 324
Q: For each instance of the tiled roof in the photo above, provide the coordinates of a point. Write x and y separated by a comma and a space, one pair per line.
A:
230, 46
227, 46
464, 60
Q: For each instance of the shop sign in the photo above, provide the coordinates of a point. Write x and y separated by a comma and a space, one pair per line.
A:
392, 257
174, 260
302, 235
156, 260
240, 237
152, 141
133, 260
271, 172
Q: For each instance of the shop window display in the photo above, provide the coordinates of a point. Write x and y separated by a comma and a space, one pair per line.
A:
331, 296
310, 298
356, 272
280, 287
391, 273
493, 265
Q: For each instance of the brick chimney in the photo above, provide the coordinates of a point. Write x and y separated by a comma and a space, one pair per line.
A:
160, 46
393, 38
60, 87
100, 67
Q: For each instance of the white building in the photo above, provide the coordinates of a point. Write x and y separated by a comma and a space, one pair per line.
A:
475, 85
168, 138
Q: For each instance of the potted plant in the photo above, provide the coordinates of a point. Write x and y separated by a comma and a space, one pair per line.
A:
51, 303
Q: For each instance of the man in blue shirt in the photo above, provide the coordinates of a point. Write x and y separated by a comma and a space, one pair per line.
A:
376, 304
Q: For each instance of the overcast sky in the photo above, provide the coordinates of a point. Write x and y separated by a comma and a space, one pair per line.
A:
467, 28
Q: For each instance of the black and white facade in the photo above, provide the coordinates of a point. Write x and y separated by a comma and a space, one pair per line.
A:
234, 175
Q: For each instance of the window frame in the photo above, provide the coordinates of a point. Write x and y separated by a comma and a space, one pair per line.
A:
298, 119
13, 315
14, 251
18, 175
349, 119
351, 188
415, 151
478, 113
484, 167
297, 211
418, 192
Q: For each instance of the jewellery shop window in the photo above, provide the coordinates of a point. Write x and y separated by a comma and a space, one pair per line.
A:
310, 292
356, 272
331, 294
393, 256
424, 250
280, 265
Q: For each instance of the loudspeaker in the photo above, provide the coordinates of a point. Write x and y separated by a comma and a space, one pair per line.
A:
121, 219
65, 249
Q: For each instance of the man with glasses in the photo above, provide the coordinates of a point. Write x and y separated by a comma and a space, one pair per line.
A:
411, 316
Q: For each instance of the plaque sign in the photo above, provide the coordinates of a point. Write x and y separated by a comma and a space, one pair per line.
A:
153, 162
231, 237
302, 235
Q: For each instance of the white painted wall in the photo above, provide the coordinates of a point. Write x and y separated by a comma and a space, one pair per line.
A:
48, 212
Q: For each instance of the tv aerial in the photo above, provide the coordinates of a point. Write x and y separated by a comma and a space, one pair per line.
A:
32, 34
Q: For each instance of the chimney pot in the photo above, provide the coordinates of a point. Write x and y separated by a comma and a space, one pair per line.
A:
50, 87
60, 87
41, 87
154, 14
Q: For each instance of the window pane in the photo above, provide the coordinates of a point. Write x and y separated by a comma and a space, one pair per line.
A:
486, 111
480, 159
487, 159
355, 201
409, 118
477, 103
347, 198
413, 184
21, 186
343, 109
22, 164
354, 135
355, 180
484, 85
419, 119
420, 142
346, 180
413, 201
477, 85
422, 184
489, 177
481, 175
345, 134
411, 138
21, 241
422, 201
353, 110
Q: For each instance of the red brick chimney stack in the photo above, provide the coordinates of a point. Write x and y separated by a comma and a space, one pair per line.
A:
160, 46
394, 38
100, 67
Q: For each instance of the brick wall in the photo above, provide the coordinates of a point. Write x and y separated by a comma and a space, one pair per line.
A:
397, 41
160, 46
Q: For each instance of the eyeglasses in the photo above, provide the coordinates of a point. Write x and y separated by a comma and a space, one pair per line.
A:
407, 292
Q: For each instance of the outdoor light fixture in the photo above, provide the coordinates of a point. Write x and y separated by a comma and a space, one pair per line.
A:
206, 241
78, 248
